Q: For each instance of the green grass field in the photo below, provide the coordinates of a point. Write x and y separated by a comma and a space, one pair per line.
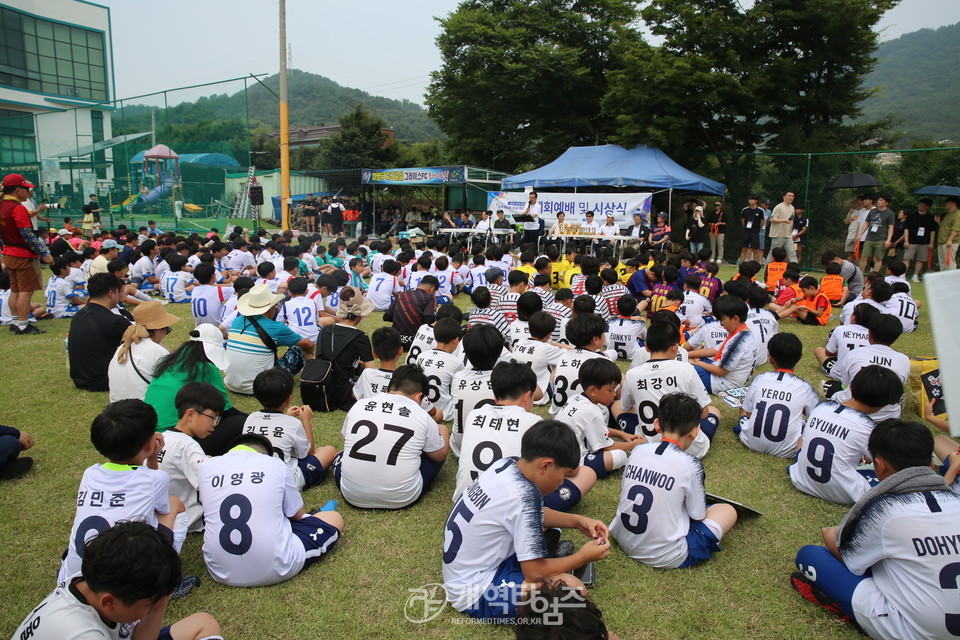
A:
361, 588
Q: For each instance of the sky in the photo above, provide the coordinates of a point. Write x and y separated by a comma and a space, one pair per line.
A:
384, 47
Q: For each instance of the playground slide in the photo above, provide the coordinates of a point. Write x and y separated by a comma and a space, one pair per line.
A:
160, 191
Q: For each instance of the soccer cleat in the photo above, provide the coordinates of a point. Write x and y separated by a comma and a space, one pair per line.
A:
915, 278
13, 328
30, 330
189, 584
811, 593
16, 469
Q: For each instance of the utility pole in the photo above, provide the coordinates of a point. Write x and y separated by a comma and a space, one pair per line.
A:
284, 124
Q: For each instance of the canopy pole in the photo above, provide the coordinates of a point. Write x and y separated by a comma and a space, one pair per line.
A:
670, 210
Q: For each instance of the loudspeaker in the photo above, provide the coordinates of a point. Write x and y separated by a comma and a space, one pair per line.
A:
256, 195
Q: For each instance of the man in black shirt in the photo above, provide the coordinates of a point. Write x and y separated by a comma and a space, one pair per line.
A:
921, 235
95, 334
751, 218
502, 223
60, 246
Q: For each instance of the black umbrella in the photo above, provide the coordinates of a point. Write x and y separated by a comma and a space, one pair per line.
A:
853, 181
938, 190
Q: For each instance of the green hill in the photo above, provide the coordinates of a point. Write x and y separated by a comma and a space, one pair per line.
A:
918, 75
313, 99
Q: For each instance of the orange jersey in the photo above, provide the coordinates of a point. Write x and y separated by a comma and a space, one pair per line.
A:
788, 293
832, 287
774, 273
819, 302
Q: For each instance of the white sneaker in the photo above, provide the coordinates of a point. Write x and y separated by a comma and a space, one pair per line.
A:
915, 278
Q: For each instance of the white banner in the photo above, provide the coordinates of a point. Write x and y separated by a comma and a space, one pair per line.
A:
575, 205
943, 298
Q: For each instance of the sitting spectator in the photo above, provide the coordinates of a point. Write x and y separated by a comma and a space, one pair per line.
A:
346, 347
12, 442
135, 360
95, 334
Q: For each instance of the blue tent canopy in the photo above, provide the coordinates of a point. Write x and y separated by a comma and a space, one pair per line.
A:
612, 165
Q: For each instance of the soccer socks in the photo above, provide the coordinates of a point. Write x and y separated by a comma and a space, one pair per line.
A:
619, 458
140, 295
180, 525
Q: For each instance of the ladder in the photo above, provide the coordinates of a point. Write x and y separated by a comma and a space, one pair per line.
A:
239, 210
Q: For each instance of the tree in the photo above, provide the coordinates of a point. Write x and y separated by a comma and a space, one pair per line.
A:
359, 143
522, 81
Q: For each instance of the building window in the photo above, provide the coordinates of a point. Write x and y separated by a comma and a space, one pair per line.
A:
18, 143
99, 157
50, 57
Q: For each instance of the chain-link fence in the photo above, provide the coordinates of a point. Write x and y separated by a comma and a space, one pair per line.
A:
162, 156
900, 173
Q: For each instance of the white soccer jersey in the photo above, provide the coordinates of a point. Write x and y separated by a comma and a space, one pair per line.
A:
472, 389
383, 286
448, 280
589, 423
207, 301
287, 435
142, 268
646, 384
846, 338
643, 356
559, 313
894, 279
492, 432
413, 279
333, 300
193, 262
247, 500
498, 516
739, 357
907, 542
709, 336
834, 441
764, 324
507, 305
300, 314
78, 278
542, 357
624, 336
65, 615
566, 377
777, 402
440, 367
905, 308
173, 285
693, 308
870, 354
662, 491
478, 277
240, 261
384, 437
162, 268
519, 330
848, 308
58, 293
180, 458
273, 283
422, 343
109, 493
6, 316
371, 382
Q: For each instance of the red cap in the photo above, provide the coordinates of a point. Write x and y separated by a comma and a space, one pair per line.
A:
16, 180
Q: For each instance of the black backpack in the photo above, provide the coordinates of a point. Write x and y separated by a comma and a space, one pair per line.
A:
319, 386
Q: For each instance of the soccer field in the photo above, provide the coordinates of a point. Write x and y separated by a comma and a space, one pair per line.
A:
361, 588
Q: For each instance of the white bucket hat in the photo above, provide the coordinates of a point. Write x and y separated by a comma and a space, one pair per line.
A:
212, 340
258, 301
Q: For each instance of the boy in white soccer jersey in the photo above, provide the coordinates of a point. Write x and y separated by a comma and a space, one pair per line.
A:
539, 354
835, 439
528, 304
62, 299
128, 576
846, 338
890, 566
662, 519
694, 306
257, 532
393, 450
733, 363
493, 544
267, 274
884, 331
761, 321
587, 334
645, 385
300, 312
199, 406
289, 429
123, 488
384, 285
207, 299
507, 303
626, 331
484, 311
772, 413
482, 346
904, 307
587, 413
441, 364
424, 340
176, 283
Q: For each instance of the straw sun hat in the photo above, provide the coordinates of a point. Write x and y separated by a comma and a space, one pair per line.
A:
258, 301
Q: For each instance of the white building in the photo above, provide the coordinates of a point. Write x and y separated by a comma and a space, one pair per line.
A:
56, 88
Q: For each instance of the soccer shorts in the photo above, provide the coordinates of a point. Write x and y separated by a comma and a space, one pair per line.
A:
318, 537
499, 601
313, 472
751, 239
703, 540
709, 425
809, 319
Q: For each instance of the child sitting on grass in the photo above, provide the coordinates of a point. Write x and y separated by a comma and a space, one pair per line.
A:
289, 428
733, 363
834, 286
812, 308
587, 334
663, 519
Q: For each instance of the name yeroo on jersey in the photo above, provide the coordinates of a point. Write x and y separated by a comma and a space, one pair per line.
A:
937, 545
650, 477
828, 427
776, 394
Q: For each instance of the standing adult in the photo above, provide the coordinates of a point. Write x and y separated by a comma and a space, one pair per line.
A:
91, 215
22, 251
751, 219
921, 236
878, 234
764, 228
949, 227
310, 214
136, 359
531, 230
781, 226
95, 333
717, 220
697, 231
801, 226
336, 210
855, 218
36, 211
